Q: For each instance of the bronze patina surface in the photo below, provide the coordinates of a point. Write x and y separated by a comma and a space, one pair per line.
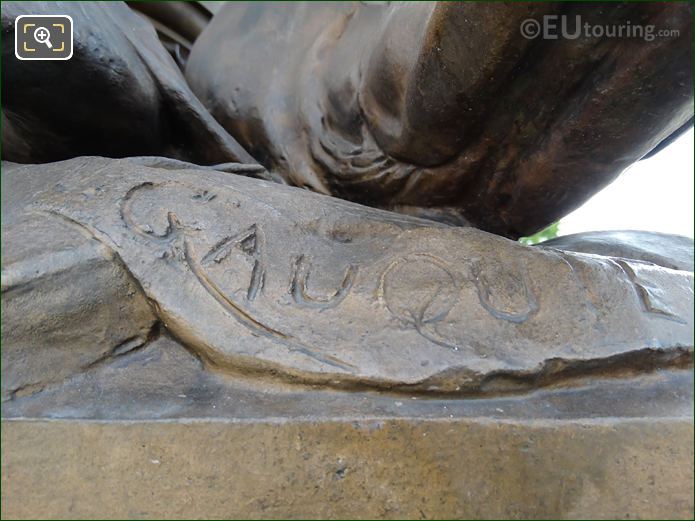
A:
119, 95
257, 277
181, 342
185, 337
445, 110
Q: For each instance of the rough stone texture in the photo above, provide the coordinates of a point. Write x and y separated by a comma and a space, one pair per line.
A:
444, 109
367, 468
256, 278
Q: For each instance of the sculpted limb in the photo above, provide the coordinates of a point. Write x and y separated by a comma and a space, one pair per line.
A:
445, 110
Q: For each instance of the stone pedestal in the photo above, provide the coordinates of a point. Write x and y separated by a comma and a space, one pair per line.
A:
242, 449
342, 469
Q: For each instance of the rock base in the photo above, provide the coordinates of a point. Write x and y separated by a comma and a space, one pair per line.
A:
359, 466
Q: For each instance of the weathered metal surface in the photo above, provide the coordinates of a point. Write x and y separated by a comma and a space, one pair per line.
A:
259, 278
445, 109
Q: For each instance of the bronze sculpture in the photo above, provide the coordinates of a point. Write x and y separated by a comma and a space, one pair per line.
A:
445, 110
165, 285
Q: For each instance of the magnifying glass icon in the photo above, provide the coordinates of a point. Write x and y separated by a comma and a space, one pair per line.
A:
42, 35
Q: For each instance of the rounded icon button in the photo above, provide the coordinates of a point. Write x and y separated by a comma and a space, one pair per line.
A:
530, 28
42, 35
